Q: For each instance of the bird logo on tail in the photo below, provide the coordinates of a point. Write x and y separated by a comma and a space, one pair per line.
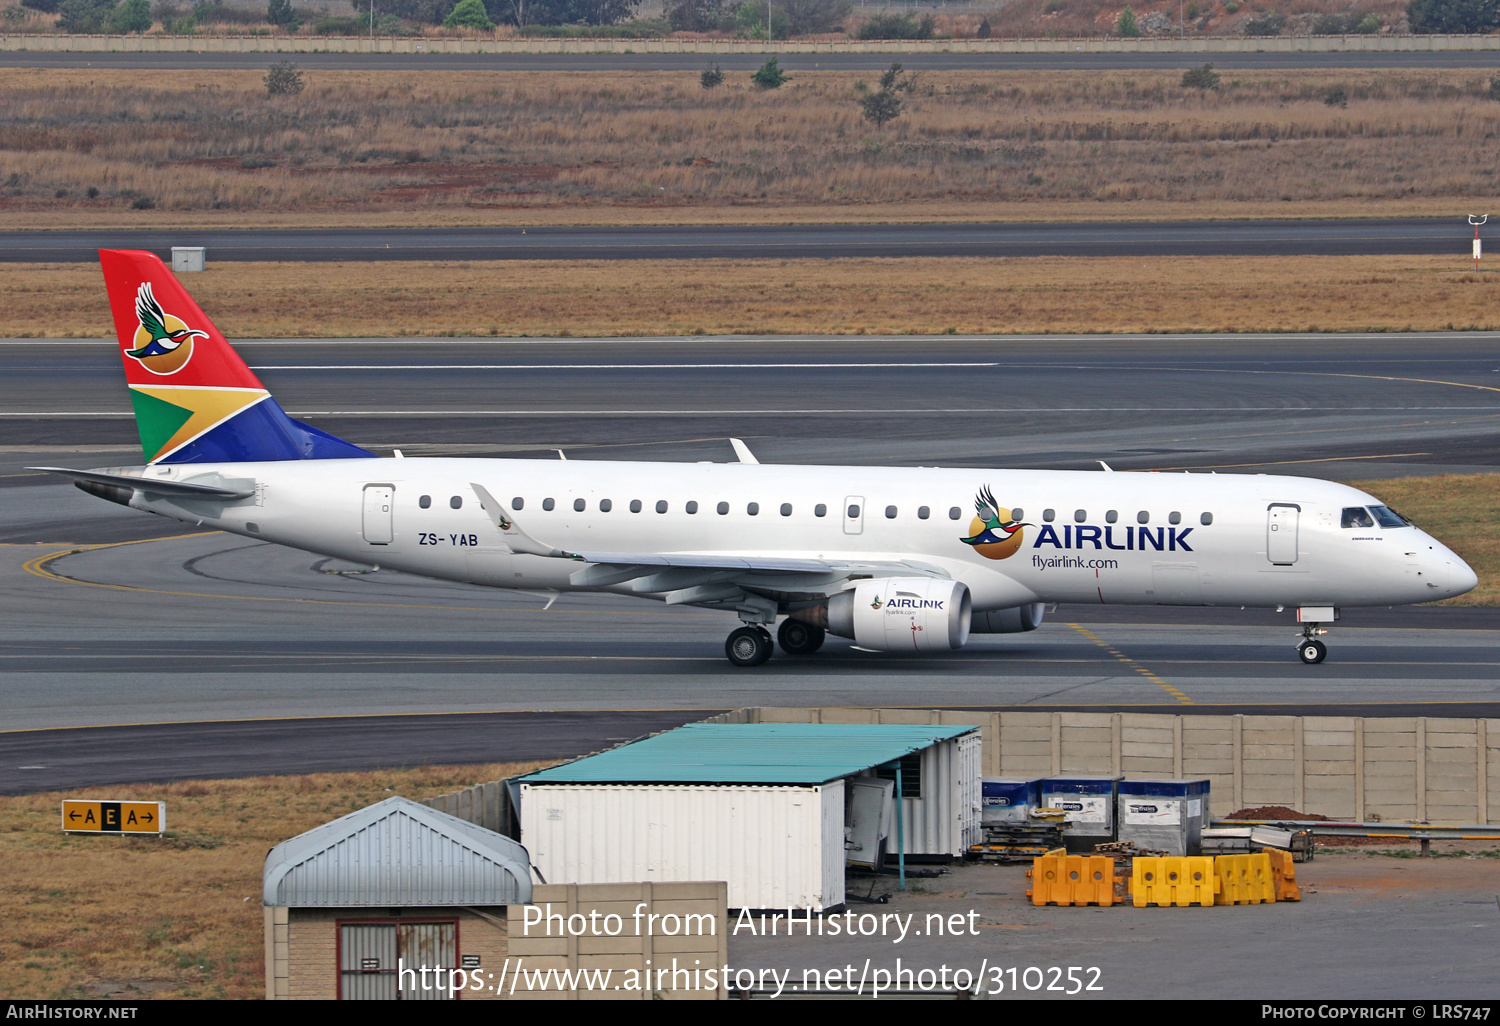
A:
993, 534
163, 343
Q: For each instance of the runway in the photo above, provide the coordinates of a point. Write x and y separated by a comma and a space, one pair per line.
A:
1351, 237
207, 627
793, 62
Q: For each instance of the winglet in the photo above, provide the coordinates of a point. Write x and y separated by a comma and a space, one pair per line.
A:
743, 451
516, 539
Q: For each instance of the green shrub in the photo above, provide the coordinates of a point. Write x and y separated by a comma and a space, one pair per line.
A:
469, 14
1456, 16
769, 75
339, 26
279, 12
85, 15
880, 107
1200, 78
283, 79
897, 26
131, 16
1338, 96
712, 77
1126, 24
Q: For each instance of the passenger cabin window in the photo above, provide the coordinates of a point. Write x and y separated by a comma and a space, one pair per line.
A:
1357, 516
853, 511
605, 505
723, 508
1174, 517
890, 512
1112, 516
786, 509
1049, 515
820, 510
549, 504
635, 505
1143, 517
1017, 513
1206, 519
425, 502
923, 512
692, 506
753, 509
954, 513
661, 505
578, 505
518, 503
457, 502
1080, 515
1387, 517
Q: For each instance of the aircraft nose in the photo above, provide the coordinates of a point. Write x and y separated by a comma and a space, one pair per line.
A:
1450, 573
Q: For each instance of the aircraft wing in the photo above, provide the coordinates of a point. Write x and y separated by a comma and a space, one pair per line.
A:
701, 577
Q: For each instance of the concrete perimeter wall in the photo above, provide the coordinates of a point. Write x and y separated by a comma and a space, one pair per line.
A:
357, 44
1406, 768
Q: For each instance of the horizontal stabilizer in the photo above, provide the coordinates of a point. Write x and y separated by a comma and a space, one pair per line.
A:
239, 489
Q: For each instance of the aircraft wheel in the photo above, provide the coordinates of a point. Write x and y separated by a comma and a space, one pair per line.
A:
748, 646
798, 638
1312, 652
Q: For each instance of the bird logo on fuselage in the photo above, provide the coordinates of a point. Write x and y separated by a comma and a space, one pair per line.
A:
163, 343
993, 534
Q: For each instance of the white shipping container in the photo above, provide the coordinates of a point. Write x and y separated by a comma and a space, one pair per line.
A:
946, 819
776, 846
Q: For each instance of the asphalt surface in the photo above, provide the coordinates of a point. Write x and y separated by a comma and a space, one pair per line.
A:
1170, 238
694, 63
208, 627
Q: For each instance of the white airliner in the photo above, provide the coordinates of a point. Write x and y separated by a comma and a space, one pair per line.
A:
895, 559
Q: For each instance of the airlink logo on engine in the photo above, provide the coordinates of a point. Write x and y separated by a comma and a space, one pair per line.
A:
913, 603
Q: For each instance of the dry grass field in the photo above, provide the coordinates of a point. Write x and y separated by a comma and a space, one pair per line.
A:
1463, 511
842, 297
119, 148
90, 917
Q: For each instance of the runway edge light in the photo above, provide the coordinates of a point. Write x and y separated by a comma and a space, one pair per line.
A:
107, 817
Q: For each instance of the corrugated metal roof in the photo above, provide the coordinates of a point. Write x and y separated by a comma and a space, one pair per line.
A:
752, 753
397, 852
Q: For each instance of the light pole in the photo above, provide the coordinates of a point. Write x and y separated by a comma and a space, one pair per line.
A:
1476, 220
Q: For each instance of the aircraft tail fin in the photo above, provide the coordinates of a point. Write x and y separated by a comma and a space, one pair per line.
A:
195, 400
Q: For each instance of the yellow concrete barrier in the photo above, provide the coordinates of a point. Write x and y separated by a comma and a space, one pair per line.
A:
1283, 875
1072, 880
1244, 879
1173, 880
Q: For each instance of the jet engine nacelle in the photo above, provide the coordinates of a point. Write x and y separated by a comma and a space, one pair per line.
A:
903, 614
1009, 621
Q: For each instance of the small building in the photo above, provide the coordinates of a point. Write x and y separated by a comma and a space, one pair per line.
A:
767, 807
390, 902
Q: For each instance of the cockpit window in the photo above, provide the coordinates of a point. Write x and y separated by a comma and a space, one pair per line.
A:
1357, 516
1387, 517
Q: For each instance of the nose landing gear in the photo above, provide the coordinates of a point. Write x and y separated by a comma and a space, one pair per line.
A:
1311, 650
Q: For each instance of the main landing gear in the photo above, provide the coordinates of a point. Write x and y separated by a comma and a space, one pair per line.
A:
1311, 650
751, 645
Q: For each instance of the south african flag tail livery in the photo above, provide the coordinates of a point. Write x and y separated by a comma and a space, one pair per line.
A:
195, 400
